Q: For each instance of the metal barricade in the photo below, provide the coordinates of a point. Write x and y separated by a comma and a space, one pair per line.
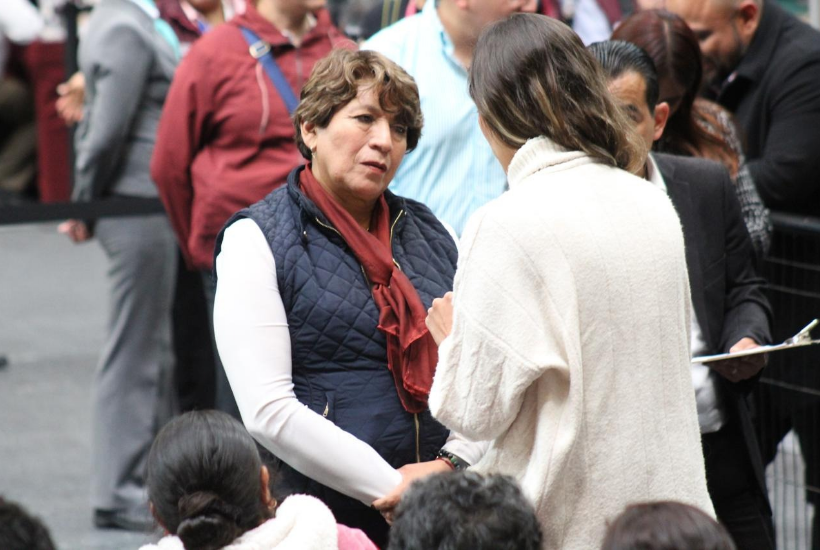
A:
787, 400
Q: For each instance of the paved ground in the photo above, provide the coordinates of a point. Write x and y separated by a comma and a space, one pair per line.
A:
52, 303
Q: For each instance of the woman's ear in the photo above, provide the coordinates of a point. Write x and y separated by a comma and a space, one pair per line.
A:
503, 152
264, 481
156, 517
309, 134
483, 126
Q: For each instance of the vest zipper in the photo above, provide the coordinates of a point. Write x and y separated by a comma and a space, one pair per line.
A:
418, 437
392, 226
415, 415
328, 226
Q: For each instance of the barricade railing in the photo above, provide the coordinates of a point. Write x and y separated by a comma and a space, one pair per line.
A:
787, 399
87, 211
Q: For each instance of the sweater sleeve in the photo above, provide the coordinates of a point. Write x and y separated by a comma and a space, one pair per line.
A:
254, 344
488, 361
187, 109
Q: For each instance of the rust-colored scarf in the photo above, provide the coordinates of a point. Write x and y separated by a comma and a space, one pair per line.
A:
412, 353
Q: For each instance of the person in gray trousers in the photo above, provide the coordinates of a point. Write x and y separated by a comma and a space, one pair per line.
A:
128, 57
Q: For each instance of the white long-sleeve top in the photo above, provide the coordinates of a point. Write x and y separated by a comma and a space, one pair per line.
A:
254, 344
570, 344
20, 23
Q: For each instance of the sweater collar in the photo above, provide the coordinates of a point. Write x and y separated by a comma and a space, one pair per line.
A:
542, 154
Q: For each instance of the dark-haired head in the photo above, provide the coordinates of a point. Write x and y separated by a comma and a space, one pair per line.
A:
618, 58
633, 83
206, 482
21, 531
674, 49
531, 76
465, 510
665, 526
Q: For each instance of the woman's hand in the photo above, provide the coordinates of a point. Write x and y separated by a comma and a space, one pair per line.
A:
409, 474
76, 230
440, 318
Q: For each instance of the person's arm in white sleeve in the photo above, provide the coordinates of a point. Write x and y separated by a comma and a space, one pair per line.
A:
20, 21
254, 344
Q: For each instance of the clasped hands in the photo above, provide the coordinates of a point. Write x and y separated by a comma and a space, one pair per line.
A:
409, 473
439, 323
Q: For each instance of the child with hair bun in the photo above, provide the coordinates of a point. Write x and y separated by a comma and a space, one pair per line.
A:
209, 490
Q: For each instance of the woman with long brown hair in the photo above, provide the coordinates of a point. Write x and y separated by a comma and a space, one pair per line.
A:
565, 342
696, 127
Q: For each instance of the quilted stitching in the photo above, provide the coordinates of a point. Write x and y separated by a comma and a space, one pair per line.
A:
337, 349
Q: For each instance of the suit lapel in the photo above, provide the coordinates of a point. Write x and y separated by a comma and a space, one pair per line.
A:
680, 194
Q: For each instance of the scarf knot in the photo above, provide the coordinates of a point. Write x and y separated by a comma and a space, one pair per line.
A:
412, 353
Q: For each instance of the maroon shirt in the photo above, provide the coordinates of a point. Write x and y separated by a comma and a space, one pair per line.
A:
184, 28
225, 139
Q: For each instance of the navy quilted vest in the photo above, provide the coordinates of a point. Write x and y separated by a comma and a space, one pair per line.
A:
339, 356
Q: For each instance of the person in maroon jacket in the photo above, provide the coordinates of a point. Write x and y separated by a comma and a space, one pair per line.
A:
190, 19
226, 138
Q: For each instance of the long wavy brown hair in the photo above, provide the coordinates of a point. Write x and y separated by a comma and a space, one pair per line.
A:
692, 129
532, 76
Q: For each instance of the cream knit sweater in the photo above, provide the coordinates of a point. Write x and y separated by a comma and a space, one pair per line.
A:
570, 344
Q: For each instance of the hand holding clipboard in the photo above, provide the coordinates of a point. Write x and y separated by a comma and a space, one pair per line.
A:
802, 338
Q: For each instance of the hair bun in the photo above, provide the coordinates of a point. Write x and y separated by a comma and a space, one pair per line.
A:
209, 531
207, 522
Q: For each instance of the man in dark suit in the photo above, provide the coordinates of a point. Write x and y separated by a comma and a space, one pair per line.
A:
766, 70
763, 64
730, 311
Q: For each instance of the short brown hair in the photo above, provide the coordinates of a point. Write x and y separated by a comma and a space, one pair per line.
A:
337, 79
531, 76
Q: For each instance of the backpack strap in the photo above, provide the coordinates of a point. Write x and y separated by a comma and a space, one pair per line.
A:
260, 50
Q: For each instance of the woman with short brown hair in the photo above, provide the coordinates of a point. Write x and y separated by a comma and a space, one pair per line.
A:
334, 84
322, 294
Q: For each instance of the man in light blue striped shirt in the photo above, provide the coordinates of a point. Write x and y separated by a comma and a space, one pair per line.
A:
453, 170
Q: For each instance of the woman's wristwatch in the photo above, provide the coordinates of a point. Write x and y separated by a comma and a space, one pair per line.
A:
456, 463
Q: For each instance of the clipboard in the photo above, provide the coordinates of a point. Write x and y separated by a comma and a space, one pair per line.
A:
802, 338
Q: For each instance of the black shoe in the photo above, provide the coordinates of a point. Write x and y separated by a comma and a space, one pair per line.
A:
121, 519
